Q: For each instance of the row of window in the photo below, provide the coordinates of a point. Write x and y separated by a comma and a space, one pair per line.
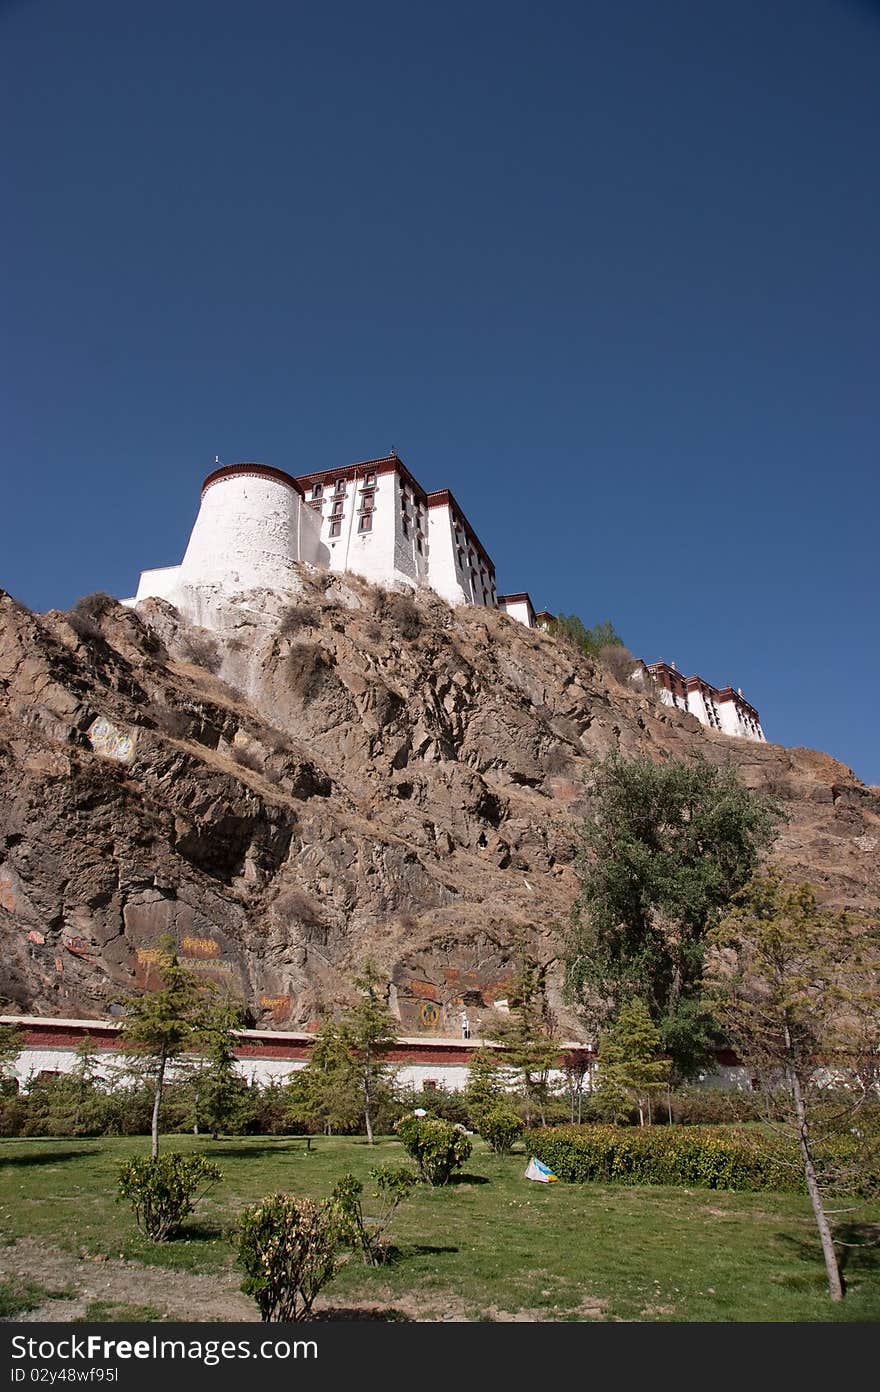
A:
339, 488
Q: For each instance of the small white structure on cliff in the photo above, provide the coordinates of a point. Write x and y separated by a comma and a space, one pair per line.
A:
256, 524
720, 708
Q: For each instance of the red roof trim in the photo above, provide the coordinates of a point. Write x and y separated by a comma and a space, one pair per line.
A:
443, 497
390, 464
264, 471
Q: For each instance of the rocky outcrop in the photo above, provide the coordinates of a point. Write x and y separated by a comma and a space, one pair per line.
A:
322, 776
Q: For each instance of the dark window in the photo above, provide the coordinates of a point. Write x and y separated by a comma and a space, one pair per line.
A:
370, 480
340, 485
404, 526
336, 526
368, 502
318, 490
337, 508
419, 545
365, 522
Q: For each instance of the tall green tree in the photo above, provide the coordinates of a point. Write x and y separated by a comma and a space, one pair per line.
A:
488, 1083
667, 848
531, 1052
10, 1047
219, 1091
590, 641
162, 1025
370, 1032
328, 1092
632, 1069
797, 990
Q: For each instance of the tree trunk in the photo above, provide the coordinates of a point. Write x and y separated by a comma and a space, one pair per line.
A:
835, 1284
157, 1102
368, 1120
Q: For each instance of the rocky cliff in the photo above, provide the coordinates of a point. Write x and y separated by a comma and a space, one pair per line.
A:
319, 777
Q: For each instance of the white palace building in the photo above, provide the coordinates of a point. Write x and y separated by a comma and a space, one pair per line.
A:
257, 524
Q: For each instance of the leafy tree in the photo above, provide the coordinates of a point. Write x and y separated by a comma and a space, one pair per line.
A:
668, 847
530, 1050
219, 1090
589, 641
370, 1032
162, 1025
370, 1234
10, 1047
328, 1092
488, 1082
631, 1069
797, 989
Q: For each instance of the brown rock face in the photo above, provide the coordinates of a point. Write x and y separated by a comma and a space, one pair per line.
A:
346, 773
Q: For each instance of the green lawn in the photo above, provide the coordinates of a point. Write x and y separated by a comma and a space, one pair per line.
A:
490, 1244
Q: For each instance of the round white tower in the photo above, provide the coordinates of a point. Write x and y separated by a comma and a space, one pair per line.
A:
249, 532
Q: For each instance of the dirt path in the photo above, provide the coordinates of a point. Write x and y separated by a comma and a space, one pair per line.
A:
180, 1295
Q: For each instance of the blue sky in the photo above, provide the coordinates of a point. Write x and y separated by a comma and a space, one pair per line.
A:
607, 270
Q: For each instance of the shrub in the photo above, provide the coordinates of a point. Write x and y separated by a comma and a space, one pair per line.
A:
162, 1191
619, 661
501, 1129
438, 1147
709, 1157
200, 647
86, 614
294, 617
441, 1102
393, 1185
401, 611
288, 1249
306, 667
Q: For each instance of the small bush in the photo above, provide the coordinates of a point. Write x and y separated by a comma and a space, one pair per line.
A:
501, 1128
164, 1191
294, 617
400, 610
441, 1102
619, 661
306, 668
200, 647
85, 615
288, 1249
370, 1235
438, 1147
709, 1157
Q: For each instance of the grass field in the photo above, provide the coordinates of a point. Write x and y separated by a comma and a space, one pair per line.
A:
489, 1246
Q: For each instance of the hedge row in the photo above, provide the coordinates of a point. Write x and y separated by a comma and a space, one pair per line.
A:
709, 1157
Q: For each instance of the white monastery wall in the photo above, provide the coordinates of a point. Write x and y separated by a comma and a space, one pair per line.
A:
519, 608
256, 525
248, 535
262, 1071
448, 576
156, 584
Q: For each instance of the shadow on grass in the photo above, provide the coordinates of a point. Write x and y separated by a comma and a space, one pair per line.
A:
388, 1315
858, 1246
468, 1179
199, 1232
55, 1157
221, 1150
419, 1250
